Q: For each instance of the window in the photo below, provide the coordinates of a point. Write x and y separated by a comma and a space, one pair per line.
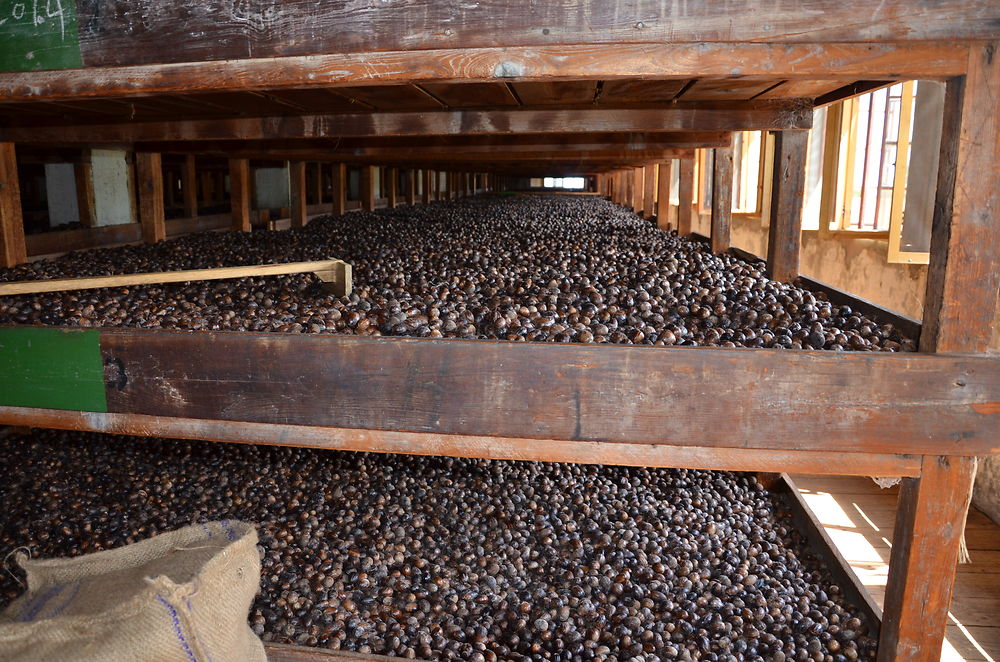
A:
747, 161
564, 182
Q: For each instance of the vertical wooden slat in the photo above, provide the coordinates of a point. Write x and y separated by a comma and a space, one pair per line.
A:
393, 188
318, 182
151, 217
411, 186
368, 188
12, 247
663, 195
189, 186
648, 191
685, 192
929, 520
787, 190
425, 195
963, 276
83, 174
722, 198
297, 178
338, 179
239, 193
635, 200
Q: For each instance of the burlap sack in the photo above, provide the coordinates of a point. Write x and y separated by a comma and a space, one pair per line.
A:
181, 596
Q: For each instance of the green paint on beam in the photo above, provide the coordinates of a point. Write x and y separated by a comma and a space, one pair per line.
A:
38, 34
52, 369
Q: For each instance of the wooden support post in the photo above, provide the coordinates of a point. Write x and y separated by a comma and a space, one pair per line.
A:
788, 182
929, 520
318, 183
722, 198
83, 173
189, 186
297, 177
648, 190
663, 195
635, 199
685, 192
239, 193
411, 186
963, 278
392, 191
368, 188
12, 247
151, 217
339, 181
425, 195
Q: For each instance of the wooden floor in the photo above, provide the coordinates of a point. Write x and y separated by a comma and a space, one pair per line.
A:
859, 517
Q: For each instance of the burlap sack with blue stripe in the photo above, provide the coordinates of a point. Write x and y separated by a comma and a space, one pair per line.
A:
182, 596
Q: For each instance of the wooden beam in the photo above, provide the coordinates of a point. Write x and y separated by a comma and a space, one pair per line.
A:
339, 180
648, 190
297, 180
497, 448
722, 198
787, 193
189, 186
392, 194
319, 185
685, 189
681, 116
963, 277
411, 186
655, 57
151, 216
929, 522
328, 270
368, 188
425, 196
83, 175
862, 402
664, 173
239, 193
12, 247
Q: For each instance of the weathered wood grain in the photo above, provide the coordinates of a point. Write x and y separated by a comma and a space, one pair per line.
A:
964, 273
683, 116
189, 186
239, 193
649, 189
149, 171
297, 193
663, 194
12, 246
787, 190
368, 188
708, 397
929, 521
722, 198
685, 191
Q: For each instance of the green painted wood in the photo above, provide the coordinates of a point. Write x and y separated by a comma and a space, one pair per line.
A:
38, 34
52, 368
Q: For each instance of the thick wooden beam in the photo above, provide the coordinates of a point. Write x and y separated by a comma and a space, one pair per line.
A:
392, 193
722, 198
339, 180
930, 519
239, 193
685, 191
648, 190
787, 191
411, 186
297, 181
368, 188
83, 175
12, 247
189, 186
425, 196
964, 275
638, 186
664, 173
151, 217
775, 399
656, 57
681, 116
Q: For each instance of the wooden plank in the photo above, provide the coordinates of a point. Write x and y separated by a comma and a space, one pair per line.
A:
297, 181
787, 192
12, 246
392, 194
637, 187
151, 218
924, 554
489, 447
338, 179
425, 196
411, 186
663, 194
84, 178
368, 188
683, 116
122, 280
860, 401
239, 193
963, 277
722, 198
685, 190
648, 190
189, 186
909, 326
49, 243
